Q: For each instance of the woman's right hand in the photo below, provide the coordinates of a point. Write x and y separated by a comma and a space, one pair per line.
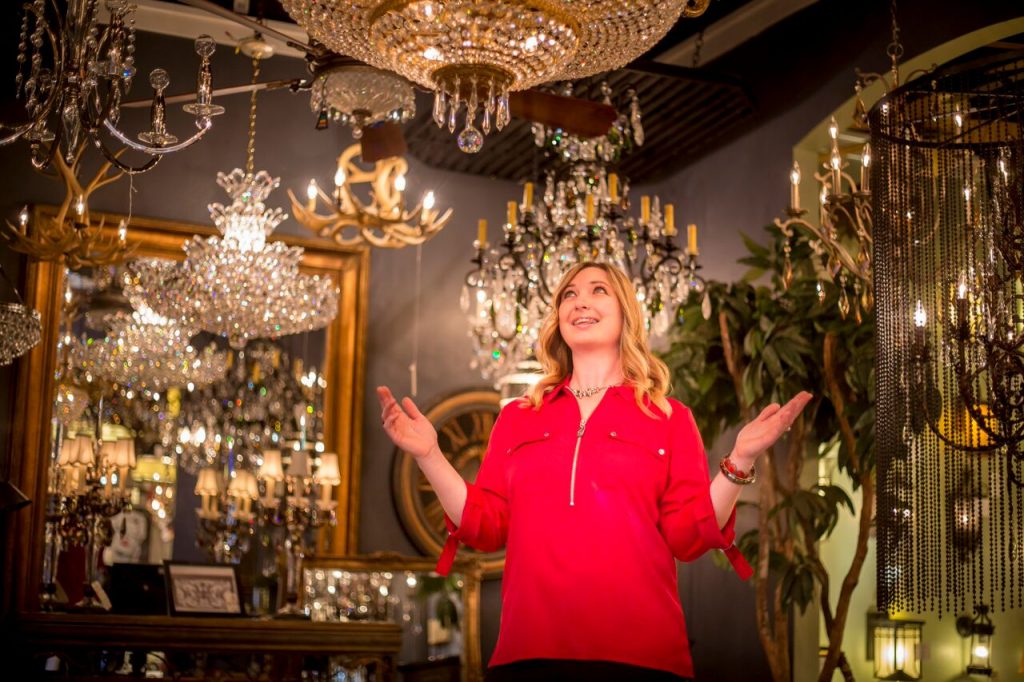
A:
407, 428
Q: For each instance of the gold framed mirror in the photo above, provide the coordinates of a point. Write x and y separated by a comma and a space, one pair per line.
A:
34, 393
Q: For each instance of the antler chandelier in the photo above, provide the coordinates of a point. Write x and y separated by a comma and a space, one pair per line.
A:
239, 285
385, 221
88, 69
582, 215
473, 53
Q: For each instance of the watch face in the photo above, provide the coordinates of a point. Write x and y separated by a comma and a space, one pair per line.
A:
463, 424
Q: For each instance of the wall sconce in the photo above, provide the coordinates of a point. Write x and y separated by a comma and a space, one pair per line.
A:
980, 630
895, 647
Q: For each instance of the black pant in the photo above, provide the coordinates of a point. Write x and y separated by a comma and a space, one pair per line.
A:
560, 670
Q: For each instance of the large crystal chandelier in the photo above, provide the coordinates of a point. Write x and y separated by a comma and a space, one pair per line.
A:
473, 53
582, 215
240, 285
73, 72
382, 219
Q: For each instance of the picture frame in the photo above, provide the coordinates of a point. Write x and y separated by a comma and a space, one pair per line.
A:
203, 589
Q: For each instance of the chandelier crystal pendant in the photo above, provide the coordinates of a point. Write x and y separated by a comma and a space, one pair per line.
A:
581, 215
73, 72
384, 220
240, 285
20, 326
473, 53
360, 96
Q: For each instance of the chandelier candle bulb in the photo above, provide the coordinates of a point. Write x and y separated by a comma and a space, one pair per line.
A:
670, 220
511, 217
311, 191
613, 188
481, 233
590, 209
399, 183
794, 187
865, 169
339, 177
645, 209
691, 240
528, 197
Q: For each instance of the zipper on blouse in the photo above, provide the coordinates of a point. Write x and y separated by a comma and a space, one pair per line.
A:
575, 458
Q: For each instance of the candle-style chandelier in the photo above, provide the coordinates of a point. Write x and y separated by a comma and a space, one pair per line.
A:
240, 285
472, 54
949, 277
843, 239
383, 220
73, 73
582, 215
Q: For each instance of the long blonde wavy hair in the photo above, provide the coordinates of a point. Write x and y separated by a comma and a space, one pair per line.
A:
647, 374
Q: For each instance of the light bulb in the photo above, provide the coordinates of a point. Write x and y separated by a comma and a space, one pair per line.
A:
865, 157
23, 217
794, 174
833, 129
920, 316
399, 183
80, 205
339, 177
311, 190
428, 200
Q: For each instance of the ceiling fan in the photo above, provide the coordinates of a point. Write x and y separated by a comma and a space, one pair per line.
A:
380, 140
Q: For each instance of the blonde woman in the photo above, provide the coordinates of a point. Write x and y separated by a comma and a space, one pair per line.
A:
595, 483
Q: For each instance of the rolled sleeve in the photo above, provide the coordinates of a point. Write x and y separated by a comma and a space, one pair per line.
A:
484, 524
686, 515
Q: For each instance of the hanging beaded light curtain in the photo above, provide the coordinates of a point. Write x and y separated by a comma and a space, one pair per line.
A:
949, 278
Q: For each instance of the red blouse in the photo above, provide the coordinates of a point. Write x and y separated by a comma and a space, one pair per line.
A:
593, 518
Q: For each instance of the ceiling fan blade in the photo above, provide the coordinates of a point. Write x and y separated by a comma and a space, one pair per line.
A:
383, 141
293, 83
243, 20
573, 115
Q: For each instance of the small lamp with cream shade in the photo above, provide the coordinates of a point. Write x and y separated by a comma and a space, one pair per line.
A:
208, 488
328, 475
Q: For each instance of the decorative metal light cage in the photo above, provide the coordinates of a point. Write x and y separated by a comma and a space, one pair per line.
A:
949, 281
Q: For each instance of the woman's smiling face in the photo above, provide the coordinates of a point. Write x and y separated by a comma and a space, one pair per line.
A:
589, 314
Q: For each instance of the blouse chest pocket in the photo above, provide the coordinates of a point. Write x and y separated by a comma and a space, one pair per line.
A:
634, 458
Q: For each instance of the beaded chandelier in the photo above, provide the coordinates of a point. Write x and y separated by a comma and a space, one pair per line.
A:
473, 53
949, 282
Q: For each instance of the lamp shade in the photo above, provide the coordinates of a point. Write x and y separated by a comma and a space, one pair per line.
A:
108, 453
124, 453
82, 452
67, 452
328, 473
298, 467
208, 483
271, 469
243, 485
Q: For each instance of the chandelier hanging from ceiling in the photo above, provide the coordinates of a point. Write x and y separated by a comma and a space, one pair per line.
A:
240, 285
582, 214
473, 53
360, 96
382, 220
73, 72
949, 277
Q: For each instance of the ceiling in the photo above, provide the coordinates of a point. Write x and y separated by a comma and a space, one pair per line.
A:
686, 112
758, 59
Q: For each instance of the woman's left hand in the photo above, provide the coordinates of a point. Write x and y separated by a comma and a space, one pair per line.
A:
760, 434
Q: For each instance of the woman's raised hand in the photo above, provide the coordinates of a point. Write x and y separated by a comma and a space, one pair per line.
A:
758, 435
407, 428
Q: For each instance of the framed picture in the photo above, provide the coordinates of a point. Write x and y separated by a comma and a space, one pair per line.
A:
203, 589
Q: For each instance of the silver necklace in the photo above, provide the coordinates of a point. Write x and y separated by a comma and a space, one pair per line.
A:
587, 392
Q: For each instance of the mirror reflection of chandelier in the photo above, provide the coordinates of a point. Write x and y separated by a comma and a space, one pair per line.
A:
581, 215
73, 72
240, 285
473, 53
383, 220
